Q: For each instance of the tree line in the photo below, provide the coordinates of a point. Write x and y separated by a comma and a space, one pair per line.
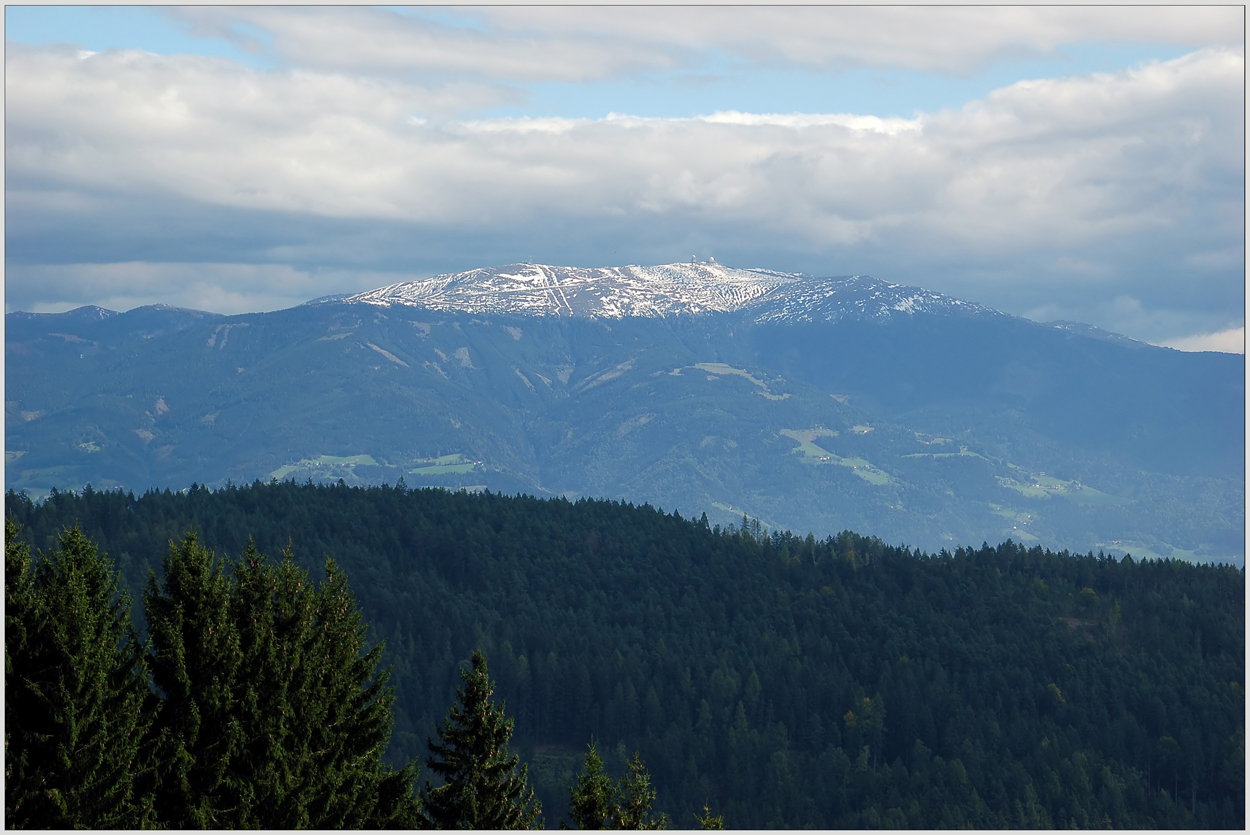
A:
779, 679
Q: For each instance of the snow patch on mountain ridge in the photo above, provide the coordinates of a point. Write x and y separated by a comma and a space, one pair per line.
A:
662, 291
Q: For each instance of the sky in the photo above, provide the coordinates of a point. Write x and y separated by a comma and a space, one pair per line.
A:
1072, 163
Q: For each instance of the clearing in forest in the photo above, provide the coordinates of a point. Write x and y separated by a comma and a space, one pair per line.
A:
720, 369
814, 454
324, 465
1042, 486
444, 465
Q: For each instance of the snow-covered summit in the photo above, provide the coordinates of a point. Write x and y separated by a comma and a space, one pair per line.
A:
662, 291
597, 292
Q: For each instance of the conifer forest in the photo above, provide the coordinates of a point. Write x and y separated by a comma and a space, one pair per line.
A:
285, 655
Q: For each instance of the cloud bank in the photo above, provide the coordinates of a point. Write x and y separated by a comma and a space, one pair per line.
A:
1231, 341
1114, 198
586, 43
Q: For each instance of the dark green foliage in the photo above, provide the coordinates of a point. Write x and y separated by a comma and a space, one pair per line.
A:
20, 782
598, 803
636, 796
709, 821
342, 714
731, 658
195, 661
272, 716
592, 798
316, 725
75, 696
267, 713
482, 785
18, 602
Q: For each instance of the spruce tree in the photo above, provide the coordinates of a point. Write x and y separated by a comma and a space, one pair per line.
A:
195, 658
592, 799
319, 701
636, 796
20, 786
269, 795
77, 707
483, 787
596, 802
303, 714
709, 821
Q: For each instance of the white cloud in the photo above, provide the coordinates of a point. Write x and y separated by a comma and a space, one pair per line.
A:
938, 39
1232, 341
1088, 179
1162, 320
359, 39
220, 288
565, 43
1057, 161
806, 120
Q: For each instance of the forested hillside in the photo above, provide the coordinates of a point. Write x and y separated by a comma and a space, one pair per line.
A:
782, 680
935, 428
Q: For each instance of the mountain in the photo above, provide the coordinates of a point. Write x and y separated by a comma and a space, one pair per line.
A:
808, 403
1096, 333
668, 290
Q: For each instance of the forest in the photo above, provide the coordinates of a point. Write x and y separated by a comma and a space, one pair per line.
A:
776, 679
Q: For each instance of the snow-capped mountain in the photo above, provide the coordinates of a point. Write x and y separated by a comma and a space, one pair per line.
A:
662, 291
858, 296
773, 394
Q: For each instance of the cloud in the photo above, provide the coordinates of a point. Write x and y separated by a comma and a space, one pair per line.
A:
358, 39
220, 288
1157, 319
1232, 341
807, 120
1056, 160
573, 44
1086, 186
935, 39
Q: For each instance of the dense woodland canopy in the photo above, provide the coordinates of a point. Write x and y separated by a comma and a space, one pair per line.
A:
251, 706
776, 679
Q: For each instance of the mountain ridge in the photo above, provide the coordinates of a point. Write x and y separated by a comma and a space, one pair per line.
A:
663, 290
678, 289
910, 416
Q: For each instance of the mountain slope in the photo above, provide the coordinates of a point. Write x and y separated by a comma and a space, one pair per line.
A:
812, 404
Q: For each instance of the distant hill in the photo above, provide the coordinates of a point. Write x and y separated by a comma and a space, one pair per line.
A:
807, 403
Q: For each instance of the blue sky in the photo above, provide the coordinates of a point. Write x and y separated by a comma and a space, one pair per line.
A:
97, 28
1055, 162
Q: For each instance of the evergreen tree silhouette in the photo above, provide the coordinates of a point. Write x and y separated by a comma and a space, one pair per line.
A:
76, 703
483, 786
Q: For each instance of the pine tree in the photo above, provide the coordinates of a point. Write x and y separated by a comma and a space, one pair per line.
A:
592, 799
709, 821
596, 802
195, 657
77, 708
20, 786
483, 788
336, 708
270, 796
636, 796
304, 715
